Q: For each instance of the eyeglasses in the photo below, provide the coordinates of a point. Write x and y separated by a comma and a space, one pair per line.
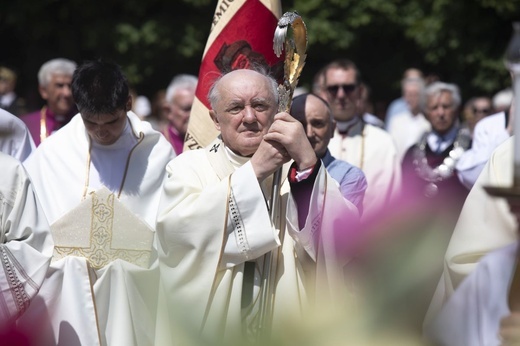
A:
347, 89
481, 110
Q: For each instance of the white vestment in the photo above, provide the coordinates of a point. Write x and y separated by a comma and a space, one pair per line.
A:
488, 134
407, 129
472, 314
485, 224
373, 151
214, 217
26, 243
15, 138
105, 300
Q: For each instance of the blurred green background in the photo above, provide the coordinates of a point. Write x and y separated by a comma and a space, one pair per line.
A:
460, 41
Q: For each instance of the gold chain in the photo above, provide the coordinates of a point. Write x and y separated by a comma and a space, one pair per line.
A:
43, 124
362, 158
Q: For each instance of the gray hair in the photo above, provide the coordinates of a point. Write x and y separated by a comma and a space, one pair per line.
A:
181, 82
55, 66
214, 94
437, 88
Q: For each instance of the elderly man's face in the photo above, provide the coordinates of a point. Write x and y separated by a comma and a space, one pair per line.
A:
244, 111
179, 108
441, 112
58, 94
412, 96
316, 119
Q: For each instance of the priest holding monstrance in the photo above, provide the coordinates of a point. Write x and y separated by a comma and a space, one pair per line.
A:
214, 227
99, 180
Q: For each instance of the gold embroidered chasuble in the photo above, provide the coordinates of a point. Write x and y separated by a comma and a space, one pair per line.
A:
114, 232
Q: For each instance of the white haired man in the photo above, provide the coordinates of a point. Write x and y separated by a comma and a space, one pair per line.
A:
54, 79
179, 99
214, 226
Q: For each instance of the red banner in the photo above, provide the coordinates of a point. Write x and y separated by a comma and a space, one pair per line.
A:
242, 33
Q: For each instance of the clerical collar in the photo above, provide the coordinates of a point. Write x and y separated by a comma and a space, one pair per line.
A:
235, 159
344, 126
126, 140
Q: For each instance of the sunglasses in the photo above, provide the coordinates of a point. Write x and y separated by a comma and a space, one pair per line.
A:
481, 110
347, 89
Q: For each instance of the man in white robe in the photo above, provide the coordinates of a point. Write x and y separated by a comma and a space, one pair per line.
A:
214, 226
488, 134
407, 127
360, 144
26, 245
473, 314
15, 138
485, 224
99, 180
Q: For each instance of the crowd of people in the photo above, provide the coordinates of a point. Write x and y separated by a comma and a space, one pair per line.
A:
324, 219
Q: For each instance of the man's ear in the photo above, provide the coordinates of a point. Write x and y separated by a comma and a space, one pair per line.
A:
129, 103
43, 92
214, 117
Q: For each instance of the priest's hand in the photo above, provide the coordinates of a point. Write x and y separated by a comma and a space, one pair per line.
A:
269, 156
290, 133
285, 140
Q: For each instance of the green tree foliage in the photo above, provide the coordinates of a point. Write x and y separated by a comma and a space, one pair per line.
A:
460, 41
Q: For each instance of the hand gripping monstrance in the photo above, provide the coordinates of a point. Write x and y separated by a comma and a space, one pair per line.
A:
295, 46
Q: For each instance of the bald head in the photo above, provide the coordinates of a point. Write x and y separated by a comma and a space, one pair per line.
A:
243, 104
215, 93
316, 117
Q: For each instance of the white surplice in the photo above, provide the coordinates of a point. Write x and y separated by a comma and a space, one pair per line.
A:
214, 217
87, 304
26, 242
373, 150
406, 130
489, 133
485, 224
15, 138
472, 315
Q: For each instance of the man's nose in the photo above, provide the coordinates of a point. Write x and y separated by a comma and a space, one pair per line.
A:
66, 90
341, 93
310, 131
249, 115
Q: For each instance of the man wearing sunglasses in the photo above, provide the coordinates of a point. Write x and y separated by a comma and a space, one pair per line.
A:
363, 145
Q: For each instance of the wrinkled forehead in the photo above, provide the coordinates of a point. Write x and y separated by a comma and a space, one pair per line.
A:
245, 85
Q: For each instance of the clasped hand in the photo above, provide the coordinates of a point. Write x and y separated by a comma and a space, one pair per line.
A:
285, 140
